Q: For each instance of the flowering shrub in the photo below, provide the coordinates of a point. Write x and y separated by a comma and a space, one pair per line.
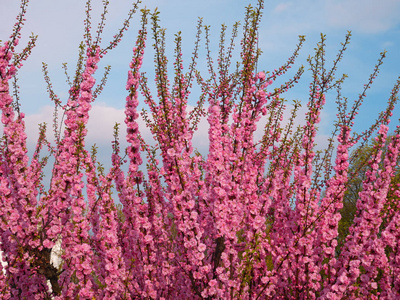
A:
254, 219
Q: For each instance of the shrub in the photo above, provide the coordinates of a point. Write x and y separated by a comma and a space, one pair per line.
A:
254, 219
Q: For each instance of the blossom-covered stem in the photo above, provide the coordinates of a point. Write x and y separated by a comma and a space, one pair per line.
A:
361, 248
18, 185
329, 215
136, 225
66, 200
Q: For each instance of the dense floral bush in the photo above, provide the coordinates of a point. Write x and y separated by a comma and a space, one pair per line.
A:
252, 219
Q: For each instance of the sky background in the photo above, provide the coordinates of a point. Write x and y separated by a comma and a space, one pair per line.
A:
375, 27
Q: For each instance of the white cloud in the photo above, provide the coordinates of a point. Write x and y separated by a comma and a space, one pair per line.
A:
287, 20
102, 119
101, 123
282, 7
388, 44
32, 122
367, 16
60, 26
321, 138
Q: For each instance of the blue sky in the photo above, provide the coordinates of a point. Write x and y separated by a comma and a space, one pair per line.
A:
375, 27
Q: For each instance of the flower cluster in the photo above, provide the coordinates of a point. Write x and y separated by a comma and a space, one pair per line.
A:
254, 219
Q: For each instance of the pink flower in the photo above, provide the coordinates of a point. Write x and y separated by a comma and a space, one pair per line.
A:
148, 238
171, 152
212, 283
202, 247
261, 75
48, 244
